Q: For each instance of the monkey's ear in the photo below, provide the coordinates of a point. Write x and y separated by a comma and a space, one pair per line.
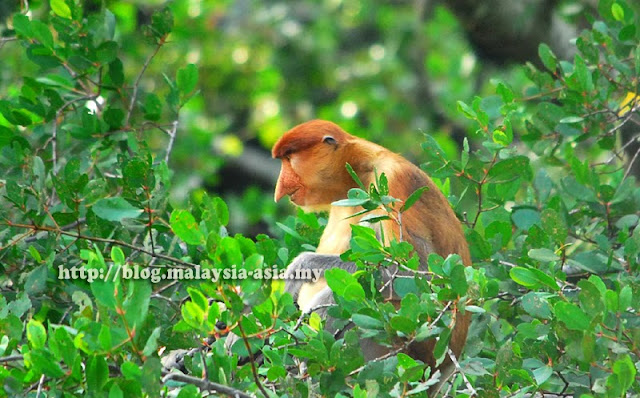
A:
327, 139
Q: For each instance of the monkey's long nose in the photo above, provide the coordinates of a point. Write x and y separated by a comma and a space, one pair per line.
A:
288, 183
279, 193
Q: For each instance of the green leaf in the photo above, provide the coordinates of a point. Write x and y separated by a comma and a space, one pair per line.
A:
162, 23
627, 33
107, 52
187, 79
548, 57
367, 322
571, 119
228, 252
617, 11
466, 110
152, 107
355, 177
544, 255
97, 374
150, 379
115, 209
349, 202
542, 374
136, 304
500, 137
459, 280
137, 173
36, 334
590, 298
626, 371
192, 314
60, 8
291, 231
554, 225
403, 324
625, 298
525, 217
198, 298
344, 284
117, 255
413, 198
185, 226
130, 371
114, 117
43, 361
515, 167
582, 74
440, 349
36, 281
357, 193
116, 72
505, 91
152, 342
42, 33
545, 279
524, 277
572, 316
116, 392
536, 305
22, 25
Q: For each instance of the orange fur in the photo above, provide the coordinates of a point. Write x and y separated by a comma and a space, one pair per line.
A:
314, 175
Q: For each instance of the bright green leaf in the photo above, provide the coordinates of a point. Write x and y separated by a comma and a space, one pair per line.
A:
185, 226
572, 316
60, 8
115, 209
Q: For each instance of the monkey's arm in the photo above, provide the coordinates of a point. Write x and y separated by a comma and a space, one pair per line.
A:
299, 284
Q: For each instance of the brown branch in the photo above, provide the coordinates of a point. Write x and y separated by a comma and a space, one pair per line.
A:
252, 362
480, 185
11, 358
453, 358
136, 84
181, 263
205, 385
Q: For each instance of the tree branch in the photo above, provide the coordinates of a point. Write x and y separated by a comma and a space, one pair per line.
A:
206, 385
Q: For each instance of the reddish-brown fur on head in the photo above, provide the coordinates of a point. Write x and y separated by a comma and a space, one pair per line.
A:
307, 135
313, 174
313, 156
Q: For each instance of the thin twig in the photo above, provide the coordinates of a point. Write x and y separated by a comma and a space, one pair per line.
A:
631, 162
40, 383
184, 264
453, 358
206, 385
405, 345
134, 94
172, 137
252, 362
11, 358
480, 185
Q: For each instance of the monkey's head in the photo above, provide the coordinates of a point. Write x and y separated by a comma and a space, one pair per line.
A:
313, 172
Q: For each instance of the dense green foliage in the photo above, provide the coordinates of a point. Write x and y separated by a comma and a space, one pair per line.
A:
87, 132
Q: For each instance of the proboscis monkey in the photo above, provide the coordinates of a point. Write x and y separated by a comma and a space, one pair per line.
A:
313, 175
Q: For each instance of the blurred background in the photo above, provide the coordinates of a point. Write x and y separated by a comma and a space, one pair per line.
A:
388, 71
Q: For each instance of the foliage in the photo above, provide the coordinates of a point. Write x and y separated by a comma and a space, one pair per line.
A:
103, 275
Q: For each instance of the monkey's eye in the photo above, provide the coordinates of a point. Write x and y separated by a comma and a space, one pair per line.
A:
329, 140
